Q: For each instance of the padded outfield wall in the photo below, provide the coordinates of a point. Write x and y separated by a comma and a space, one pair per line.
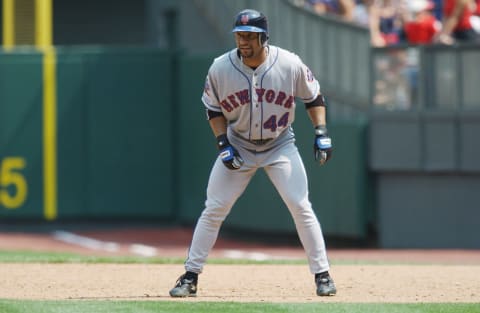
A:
132, 143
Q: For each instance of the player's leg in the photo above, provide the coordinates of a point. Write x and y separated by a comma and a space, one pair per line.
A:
224, 188
287, 173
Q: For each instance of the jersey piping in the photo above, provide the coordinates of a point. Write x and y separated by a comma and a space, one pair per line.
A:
261, 86
249, 90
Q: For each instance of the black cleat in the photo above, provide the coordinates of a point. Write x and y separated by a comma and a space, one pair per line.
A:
325, 285
184, 288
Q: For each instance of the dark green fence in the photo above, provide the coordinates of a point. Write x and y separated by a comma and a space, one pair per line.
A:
21, 176
114, 127
114, 120
133, 143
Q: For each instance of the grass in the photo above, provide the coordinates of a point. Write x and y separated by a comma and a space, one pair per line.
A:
11, 306
55, 257
180, 306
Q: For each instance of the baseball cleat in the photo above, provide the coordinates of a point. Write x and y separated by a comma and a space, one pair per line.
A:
325, 285
184, 288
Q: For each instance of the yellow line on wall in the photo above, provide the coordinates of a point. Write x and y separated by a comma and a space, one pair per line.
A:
49, 134
8, 24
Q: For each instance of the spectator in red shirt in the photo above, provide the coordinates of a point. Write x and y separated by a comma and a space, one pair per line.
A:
456, 22
477, 8
421, 25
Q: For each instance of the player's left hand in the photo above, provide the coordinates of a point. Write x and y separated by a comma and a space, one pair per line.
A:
322, 146
229, 155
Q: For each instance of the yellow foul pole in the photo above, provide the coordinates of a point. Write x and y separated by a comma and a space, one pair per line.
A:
8, 9
43, 41
43, 23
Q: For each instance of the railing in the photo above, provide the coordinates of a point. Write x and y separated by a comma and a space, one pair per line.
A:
433, 78
453, 77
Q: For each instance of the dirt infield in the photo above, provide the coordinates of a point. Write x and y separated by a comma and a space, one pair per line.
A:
245, 283
416, 276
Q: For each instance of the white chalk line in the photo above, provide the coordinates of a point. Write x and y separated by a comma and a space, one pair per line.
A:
100, 245
149, 251
254, 256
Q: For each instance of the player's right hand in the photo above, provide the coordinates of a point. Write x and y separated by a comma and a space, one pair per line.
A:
229, 155
322, 146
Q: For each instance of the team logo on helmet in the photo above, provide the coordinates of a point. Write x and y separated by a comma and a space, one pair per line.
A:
244, 19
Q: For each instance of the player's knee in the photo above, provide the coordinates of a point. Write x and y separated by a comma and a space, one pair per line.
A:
301, 208
216, 210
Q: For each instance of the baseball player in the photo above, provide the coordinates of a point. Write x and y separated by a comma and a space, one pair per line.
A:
249, 97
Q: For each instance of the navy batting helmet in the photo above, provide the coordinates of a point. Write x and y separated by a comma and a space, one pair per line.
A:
252, 21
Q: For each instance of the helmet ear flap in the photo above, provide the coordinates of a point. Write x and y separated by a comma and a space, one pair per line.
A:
263, 38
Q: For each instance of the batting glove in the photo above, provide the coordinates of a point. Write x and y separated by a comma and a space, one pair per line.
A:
322, 147
229, 155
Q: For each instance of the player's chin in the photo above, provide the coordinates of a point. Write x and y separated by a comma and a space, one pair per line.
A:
246, 53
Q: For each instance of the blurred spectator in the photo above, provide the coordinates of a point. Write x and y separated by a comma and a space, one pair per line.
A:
361, 11
421, 26
456, 24
475, 18
437, 10
386, 22
340, 8
394, 84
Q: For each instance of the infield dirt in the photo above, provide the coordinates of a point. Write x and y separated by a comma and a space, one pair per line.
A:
241, 283
418, 276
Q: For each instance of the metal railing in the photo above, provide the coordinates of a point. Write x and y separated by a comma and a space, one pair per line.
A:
434, 77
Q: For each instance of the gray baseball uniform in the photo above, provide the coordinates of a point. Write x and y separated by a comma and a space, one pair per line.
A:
259, 105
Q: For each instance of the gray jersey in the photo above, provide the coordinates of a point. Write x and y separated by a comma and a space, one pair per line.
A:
259, 107
260, 103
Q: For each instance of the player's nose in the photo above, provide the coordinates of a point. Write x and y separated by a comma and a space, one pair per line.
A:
242, 40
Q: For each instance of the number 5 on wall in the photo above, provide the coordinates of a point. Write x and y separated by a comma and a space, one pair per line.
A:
9, 176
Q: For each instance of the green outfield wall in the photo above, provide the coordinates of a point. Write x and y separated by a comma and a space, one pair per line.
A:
21, 176
114, 126
132, 142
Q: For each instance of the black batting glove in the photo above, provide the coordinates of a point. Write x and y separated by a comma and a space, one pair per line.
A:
229, 155
322, 147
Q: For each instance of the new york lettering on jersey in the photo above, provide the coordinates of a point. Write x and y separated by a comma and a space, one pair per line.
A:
242, 97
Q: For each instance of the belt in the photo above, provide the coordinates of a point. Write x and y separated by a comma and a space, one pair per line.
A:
260, 142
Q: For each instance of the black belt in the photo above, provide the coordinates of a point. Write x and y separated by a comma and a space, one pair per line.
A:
260, 142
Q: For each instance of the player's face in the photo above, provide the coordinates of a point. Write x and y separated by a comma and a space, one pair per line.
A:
248, 44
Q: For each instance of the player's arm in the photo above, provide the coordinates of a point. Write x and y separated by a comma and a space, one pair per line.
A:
317, 115
218, 124
229, 155
316, 110
322, 146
